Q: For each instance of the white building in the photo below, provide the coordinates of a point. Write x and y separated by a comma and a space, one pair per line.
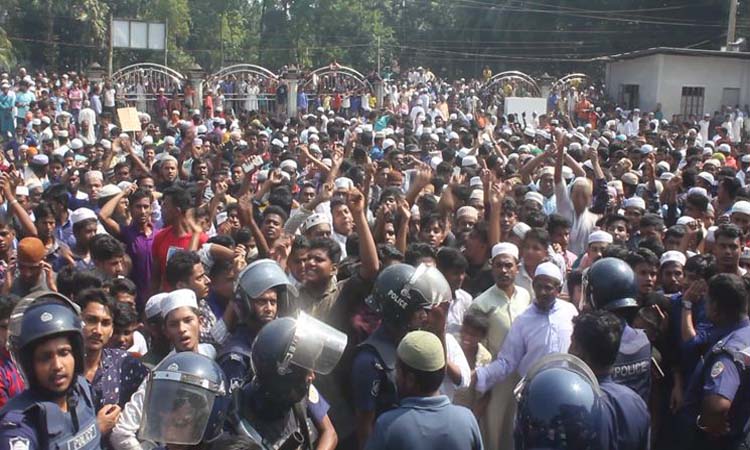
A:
684, 81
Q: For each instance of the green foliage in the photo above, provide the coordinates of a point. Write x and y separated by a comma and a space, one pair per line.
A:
451, 36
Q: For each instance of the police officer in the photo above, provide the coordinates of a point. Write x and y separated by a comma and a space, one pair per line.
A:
272, 409
717, 402
403, 295
610, 284
56, 411
559, 406
625, 418
262, 291
186, 402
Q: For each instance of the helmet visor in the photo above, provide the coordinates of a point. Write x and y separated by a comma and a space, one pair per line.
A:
175, 412
558, 360
431, 285
262, 275
316, 346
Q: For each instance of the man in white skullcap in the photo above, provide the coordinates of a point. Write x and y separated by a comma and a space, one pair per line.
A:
181, 322
503, 303
544, 327
671, 271
597, 243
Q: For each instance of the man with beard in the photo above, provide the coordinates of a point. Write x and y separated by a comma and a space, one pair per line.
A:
262, 290
503, 303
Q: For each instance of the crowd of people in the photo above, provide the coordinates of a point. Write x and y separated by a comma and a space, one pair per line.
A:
428, 273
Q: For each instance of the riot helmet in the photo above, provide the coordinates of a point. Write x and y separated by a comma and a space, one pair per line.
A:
257, 278
286, 350
401, 289
38, 317
559, 405
186, 401
610, 284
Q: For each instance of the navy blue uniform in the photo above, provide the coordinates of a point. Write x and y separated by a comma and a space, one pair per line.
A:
30, 421
632, 368
625, 418
374, 374
725, 371
234, 358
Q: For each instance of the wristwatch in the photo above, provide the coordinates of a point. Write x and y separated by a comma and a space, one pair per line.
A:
687, 305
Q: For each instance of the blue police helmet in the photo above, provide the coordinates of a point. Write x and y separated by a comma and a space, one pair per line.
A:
610, 284
559, 406
38, 317
186, 401
257, 278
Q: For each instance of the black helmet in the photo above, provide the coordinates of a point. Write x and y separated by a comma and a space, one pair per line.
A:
257, 278
401, 289
559, 406
610, 284
38, 317
186, 401
286, 349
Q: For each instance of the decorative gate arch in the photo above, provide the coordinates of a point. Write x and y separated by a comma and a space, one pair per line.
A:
570, 80
246, 87
140, 85
335, 78
520, 84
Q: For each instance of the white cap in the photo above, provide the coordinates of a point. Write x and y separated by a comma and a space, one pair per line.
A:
81, 214
108, 190
288, 164
314, 220
635, 202
520, 229
475, 181
452, 135
685, 220
169, 140
712, 162
505, 248
177, 299
147, 140
467, 211
647, 148
277, 143
672, 256
388, 143
221, 218
22, 190
725, 148
343, 183
698, 190
469, 161
745, 159
599, 236
40, 160
153, 305
76, 144
477, 194
741, 207
707, 177
549, 269
534, 196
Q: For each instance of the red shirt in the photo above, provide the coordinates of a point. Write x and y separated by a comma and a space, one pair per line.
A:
164, 240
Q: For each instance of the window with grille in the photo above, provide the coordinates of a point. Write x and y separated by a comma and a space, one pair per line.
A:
692, 101
629, 96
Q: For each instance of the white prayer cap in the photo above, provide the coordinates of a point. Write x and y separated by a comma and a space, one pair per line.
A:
708, 151
277, 143
452, 135
435, 161
707, 177
635, 202
469, 161
647, 149
221, 218
672, 256
664, 165
534, 196
177, 299
81, 214
343, 183
685, 220
288, 164
109, 190
567, 173
699, 191
22, 190
741, 207
388, 143
546, 170
169, 140
477, 194
600, 236
475, 181
666, 176
574, 146
712, 162
520, 229
124, 185
153, 305
745, 159
467, 211
314, 220
629, 178
588, 164
505, 248
725, 148
549, 269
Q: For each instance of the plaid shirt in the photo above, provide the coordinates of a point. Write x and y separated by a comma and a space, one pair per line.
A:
11, 382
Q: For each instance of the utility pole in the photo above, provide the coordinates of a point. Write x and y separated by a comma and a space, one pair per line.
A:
378, 55
110, 47
731, 24
166, 40
221, 37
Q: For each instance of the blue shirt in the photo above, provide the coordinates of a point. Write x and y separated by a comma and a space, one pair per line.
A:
625, 417
690, 351
117, 379
429, 423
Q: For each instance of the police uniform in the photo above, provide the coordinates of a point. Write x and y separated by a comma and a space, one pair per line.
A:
30, 421
234, 358
374, 374
725, 371
632, 366
625, 418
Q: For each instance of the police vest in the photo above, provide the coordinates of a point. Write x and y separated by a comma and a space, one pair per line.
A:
238, 347
736, 345
56, 429
632, 367
387, 395
294, 431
